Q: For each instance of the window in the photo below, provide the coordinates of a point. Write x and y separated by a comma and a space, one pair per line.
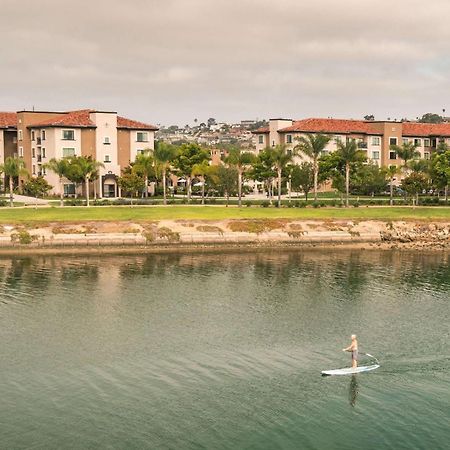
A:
426, 155
260, 139
43, 152
68, 152
33, 153
376, 140
43, 135
34, 169
142, 136
20, 135
289, 138
405, 140
20, 152
68, 135
338, 139
69, 189
392, 141
426, 143
376, 155
418, 142
107, 159
140, 151
32, 135
392, 155
106, 141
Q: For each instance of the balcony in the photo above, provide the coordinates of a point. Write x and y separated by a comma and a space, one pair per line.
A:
39, 158
362, 145
38, 141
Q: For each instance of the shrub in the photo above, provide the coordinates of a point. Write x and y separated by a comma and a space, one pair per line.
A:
209, 229
23, 237
315, 204
356, 205
255, 226
3, 203
167, 233
265, 204
248, 203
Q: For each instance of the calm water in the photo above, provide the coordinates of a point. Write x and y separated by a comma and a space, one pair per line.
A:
224, 351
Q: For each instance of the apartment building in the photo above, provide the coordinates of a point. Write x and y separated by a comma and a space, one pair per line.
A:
373, 137
8, 135
106, 137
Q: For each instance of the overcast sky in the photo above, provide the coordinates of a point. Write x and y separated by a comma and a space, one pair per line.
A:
170, 61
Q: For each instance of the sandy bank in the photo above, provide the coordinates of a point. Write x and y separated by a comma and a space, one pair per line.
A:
202, 235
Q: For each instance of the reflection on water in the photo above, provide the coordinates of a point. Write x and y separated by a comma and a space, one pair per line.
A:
224, 351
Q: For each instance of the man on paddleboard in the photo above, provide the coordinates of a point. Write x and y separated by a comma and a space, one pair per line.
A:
353, 347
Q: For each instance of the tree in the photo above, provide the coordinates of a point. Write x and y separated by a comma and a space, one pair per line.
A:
13, 167
312, 146
369, 117
281, 157
349, 153
201, 170
163, 155
302, 177
60, 168
413, 184
240, 161
440, 171
224, 180
187, 157
431, 118
263, 170
406, 152
391, 171
36, 187
144, 165
367, 179
132, 183
211, 121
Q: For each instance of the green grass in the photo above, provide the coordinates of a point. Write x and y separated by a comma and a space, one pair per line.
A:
137, 213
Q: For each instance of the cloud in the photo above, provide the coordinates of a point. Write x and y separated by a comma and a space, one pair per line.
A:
168, 61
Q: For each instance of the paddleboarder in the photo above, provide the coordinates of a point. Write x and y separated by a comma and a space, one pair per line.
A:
353, 347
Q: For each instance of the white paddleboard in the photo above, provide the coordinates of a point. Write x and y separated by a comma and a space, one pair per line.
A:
350, 370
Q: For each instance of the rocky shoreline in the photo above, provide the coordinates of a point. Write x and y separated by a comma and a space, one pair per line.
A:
184, 235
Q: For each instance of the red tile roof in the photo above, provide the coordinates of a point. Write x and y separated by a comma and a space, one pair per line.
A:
425, 129
314, 125
261, 130
74, 119
123, 122
8, 120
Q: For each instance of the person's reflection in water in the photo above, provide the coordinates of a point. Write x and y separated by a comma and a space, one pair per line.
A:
353, 391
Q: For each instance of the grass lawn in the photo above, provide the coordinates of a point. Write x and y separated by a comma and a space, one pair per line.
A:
139, 213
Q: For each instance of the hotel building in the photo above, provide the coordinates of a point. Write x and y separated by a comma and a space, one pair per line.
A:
38, 136
373, 137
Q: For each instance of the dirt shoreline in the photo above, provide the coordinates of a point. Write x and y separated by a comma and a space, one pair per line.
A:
167, 236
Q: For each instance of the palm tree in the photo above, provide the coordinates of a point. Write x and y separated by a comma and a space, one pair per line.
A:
391, 171
313, 145
240, 160
59, 167
349, 153
13, 167
164, 154
145, 165
201, 170
86, 168
407, 151
281, 158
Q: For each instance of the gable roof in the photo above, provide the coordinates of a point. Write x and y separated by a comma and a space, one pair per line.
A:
123, 122
425, 129
339, 126
261, 130
73, 119
8, 120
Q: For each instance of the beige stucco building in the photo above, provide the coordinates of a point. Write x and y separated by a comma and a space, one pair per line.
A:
106, 137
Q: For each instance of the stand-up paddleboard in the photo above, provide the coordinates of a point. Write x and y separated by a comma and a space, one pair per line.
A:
351, 371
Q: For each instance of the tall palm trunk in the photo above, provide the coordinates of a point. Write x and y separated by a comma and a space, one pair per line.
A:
391, 201
94, 184
188, 187
316, 178
61, 192
279, 187
239, 187
164, 186
203, 191
11, 187
86, 183
446, 193
347, 183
